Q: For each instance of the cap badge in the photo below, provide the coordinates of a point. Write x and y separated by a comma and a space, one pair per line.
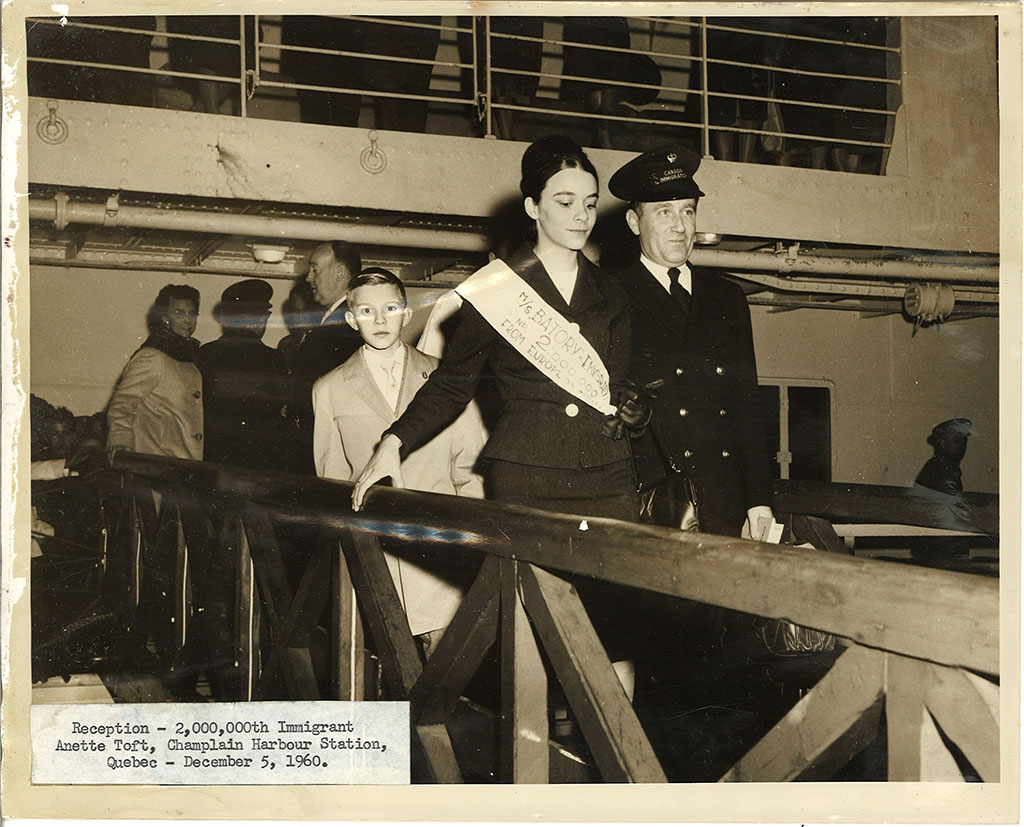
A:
671, 157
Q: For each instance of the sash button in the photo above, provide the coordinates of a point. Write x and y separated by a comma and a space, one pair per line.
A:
571, 409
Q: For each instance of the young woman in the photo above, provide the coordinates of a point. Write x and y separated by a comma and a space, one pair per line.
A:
547, 450
157, 406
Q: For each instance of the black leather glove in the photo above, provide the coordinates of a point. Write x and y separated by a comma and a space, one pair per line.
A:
613, 427
632, 409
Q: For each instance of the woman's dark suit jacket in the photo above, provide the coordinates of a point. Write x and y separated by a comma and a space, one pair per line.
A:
541, 425
708, 412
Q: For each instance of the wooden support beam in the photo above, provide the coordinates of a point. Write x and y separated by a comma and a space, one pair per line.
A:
235, 543
827, 727
613, 732
162, 588
283, 610
524, 690
348, 663
916, 751
180, 616
142, 538
389, 629
462, 648
966, 707
133, 561
382, 609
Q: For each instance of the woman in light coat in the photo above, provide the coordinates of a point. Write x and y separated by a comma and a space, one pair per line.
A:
157, 406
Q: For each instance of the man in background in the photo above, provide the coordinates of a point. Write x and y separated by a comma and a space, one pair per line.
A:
332, 266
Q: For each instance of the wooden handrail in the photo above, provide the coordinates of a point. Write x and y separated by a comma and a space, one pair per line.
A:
945, 617
850, 502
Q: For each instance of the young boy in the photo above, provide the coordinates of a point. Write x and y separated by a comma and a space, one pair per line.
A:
357, 401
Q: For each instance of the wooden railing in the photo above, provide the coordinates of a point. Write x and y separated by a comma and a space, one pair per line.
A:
920, 644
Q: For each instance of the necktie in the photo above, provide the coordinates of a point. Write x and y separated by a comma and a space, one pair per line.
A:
678, 292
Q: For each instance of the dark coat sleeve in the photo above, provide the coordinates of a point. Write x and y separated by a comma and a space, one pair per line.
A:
452, 385
541, 424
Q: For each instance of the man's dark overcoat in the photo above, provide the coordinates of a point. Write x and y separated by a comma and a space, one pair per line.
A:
245, 396
707, 414
322, 349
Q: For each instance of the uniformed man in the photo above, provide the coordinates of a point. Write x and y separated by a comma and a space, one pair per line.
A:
326, 345
702, 462
942, 471
245, 385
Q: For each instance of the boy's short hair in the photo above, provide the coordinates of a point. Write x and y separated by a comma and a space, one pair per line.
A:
378, 275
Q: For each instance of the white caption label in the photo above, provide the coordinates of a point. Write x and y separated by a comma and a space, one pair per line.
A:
286, 742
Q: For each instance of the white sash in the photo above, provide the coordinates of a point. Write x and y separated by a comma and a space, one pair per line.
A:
539, 332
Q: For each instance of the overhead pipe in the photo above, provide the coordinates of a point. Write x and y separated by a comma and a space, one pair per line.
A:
982, 272
62, 212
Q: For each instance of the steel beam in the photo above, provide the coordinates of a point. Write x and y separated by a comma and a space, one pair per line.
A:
112, 147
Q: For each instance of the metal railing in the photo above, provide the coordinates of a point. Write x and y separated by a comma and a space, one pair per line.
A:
478, 75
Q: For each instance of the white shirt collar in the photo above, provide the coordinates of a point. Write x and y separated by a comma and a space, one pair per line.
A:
661, 274
333, 307
377, 358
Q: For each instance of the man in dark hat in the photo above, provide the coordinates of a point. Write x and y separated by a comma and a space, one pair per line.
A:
702, 462
942, 471
245, 385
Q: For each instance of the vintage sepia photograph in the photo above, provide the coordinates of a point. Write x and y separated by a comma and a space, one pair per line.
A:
628, 391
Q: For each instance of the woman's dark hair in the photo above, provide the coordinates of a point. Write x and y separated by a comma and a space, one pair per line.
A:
547, 156
378, 275
163, 301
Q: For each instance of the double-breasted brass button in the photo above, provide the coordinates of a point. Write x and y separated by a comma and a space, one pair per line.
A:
572, 409
683, 412
722, 412
725, 454
198, 437
679, 371
719, 370
687, 453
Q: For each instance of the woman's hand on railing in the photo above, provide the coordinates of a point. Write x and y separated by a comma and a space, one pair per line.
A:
385, 462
